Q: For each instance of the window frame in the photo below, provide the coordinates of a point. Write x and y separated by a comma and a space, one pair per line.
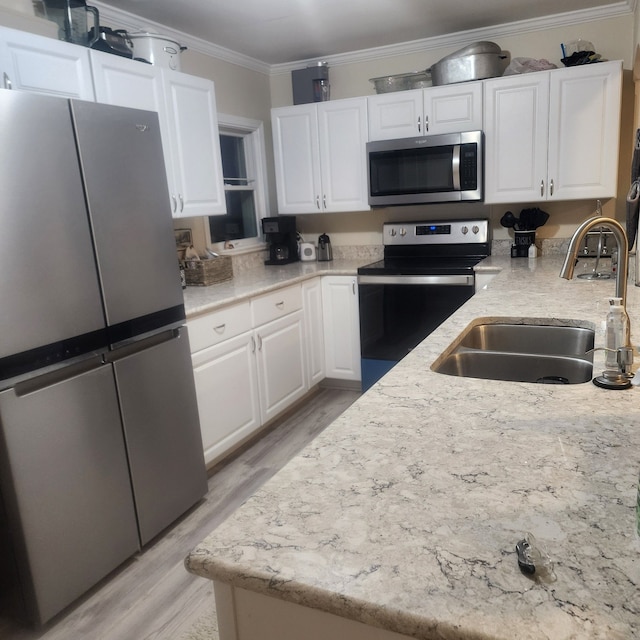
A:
253, 130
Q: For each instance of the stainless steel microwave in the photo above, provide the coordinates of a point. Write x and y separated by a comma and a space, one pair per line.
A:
439, 168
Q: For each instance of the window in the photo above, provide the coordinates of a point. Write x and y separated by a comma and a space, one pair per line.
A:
243, 168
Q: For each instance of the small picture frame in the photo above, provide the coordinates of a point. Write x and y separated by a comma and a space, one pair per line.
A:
183, 238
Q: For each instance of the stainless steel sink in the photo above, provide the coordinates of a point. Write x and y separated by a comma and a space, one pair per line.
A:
529, 338
549, 354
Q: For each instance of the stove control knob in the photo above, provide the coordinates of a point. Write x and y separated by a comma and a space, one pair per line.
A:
475, 229
403, 232
392, 232
464, 230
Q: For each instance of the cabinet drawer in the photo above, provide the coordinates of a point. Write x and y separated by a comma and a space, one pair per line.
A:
218, 326
272, 306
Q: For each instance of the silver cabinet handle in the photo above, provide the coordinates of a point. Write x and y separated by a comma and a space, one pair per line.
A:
280, 304
419, 125
551, 188
324, 201
220, 328
259, 342
426, 124
353, 287
253, 344
7, 81
541, 187
318, 202
175, 203
181, 203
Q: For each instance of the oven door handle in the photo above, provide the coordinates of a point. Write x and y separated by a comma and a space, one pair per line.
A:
454, 280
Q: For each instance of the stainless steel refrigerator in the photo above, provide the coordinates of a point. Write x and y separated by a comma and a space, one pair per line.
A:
100, 446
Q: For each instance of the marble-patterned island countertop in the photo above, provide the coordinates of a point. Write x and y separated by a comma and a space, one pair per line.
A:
405, 512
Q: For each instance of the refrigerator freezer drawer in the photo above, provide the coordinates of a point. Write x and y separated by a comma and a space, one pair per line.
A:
162, 432
66, 488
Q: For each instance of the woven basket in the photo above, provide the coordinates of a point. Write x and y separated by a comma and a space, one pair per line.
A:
202, 273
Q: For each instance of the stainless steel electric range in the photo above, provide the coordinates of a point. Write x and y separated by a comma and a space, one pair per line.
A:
426, 274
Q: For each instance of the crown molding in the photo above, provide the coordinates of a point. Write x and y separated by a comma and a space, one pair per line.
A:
131, 22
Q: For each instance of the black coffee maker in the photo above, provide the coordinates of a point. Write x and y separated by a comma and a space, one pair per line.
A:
282, 238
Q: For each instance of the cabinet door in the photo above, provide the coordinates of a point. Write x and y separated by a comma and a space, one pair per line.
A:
396, 115
516, 130
227, 391
281, 364
297, 162
44, 65
343, 161
584, 125
454, 108
195, 144
128, 83
341, 327
314, 332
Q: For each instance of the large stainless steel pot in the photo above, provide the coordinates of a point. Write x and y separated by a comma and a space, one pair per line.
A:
474, 62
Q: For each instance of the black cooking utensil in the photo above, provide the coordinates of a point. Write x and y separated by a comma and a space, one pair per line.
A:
508, 220
531, 219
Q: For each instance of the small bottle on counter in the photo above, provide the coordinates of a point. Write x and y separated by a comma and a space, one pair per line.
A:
617, 331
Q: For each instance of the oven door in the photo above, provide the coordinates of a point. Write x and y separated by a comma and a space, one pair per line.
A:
398, 312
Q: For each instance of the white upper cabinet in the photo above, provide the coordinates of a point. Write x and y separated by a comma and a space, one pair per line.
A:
407, 114
553, 135
43, 65
195, 144
320, 156
584, 131
516, 135
188, 122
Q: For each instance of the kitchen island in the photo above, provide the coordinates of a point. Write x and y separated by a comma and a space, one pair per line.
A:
401, 518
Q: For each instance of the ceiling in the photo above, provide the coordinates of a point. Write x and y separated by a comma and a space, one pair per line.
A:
283, 31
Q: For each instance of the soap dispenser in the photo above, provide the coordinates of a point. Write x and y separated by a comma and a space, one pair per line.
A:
617, 332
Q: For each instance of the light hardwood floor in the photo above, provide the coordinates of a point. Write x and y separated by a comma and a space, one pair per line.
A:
152, 597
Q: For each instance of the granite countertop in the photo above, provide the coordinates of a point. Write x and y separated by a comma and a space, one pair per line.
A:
199, 300
405, 512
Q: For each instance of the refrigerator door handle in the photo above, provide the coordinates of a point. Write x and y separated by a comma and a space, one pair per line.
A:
50, 378
140, 345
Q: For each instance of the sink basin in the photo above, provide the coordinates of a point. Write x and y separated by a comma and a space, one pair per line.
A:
529, 338
540, 353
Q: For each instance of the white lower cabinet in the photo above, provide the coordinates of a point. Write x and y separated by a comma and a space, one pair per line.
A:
227, 390
249, 365
314, 331
341, 327
281, 364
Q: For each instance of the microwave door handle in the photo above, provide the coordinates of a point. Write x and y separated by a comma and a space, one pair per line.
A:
455, 167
